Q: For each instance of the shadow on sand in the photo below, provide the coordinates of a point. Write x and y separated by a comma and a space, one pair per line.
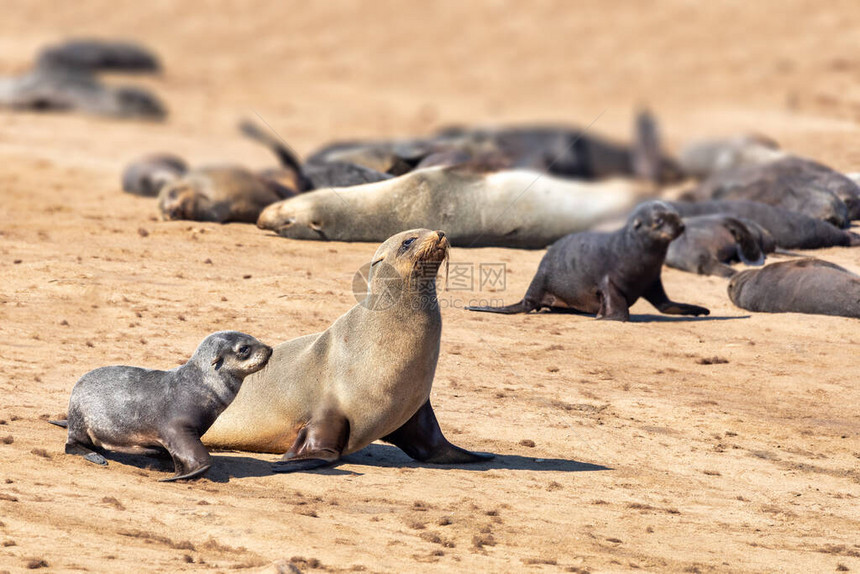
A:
376, 455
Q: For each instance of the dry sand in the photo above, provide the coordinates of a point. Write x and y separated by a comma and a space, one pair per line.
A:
619, 447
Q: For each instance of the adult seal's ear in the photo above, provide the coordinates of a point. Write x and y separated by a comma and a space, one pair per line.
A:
367, 377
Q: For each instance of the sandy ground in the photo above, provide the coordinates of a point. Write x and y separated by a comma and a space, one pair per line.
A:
619, 447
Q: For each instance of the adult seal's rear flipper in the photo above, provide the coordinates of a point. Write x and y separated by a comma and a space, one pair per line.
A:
319, 443
285, 155
422, 439
512, 309
748, 249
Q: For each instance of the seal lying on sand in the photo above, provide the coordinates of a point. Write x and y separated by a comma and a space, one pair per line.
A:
799, 286
516, 208
367, 377
58, 88
100, 56
142, 411
790, 230
606, 273
220, 194
754, 168
147, 175
710, 242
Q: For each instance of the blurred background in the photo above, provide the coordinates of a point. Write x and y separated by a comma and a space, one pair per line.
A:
322, 71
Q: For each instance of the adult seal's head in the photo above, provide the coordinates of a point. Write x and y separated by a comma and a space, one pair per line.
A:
144, 411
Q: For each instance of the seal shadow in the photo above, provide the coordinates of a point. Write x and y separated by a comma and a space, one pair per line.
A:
380, 455
649, 318
388, 456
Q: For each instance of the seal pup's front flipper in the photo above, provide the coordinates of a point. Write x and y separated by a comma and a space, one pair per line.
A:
319, 443
613, 304
422, 439
512, 309
656, 295
190, 457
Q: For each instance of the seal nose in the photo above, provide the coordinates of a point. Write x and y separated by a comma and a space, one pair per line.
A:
441, 234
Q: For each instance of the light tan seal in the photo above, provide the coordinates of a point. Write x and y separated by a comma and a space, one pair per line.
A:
366, 377
221, 194
509, 208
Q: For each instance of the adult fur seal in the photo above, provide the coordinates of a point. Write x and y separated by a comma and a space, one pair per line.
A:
799, 286
710, 242
221, 194
514, 208
143, 411
790, 230
366, 377
606, 273
804, 175
793, 183
57, 88
100, 56
147, 175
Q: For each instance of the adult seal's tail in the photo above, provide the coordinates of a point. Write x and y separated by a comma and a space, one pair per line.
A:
365, 378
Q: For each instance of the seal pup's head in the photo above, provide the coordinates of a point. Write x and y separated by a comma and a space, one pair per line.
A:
232, 353
655, 222
148, 174
737, 283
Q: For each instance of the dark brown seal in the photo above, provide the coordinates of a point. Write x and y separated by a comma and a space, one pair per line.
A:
794, 183
606, 273
143, 411
710, 242
790, 230
799, 286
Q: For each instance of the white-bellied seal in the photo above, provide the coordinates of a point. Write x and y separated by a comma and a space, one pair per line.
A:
606, 273
710, 242
146, 175
515, 208
367, 377
144, 411
790, 230
799, 286
221, 194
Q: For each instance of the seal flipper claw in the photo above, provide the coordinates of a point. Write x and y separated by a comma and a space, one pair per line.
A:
190, 457
421, 438
89, 454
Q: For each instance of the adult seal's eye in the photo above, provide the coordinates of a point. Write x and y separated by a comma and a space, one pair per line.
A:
244, 350
409, 242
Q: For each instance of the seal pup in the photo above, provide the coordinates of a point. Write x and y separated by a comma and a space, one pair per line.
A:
144, 411
220, 194
145, 176
511, 208
710, 242
789, 229
799, 286
367, 377
605, 273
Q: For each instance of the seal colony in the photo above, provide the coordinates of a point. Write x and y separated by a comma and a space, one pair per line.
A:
143, 411
367, 377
